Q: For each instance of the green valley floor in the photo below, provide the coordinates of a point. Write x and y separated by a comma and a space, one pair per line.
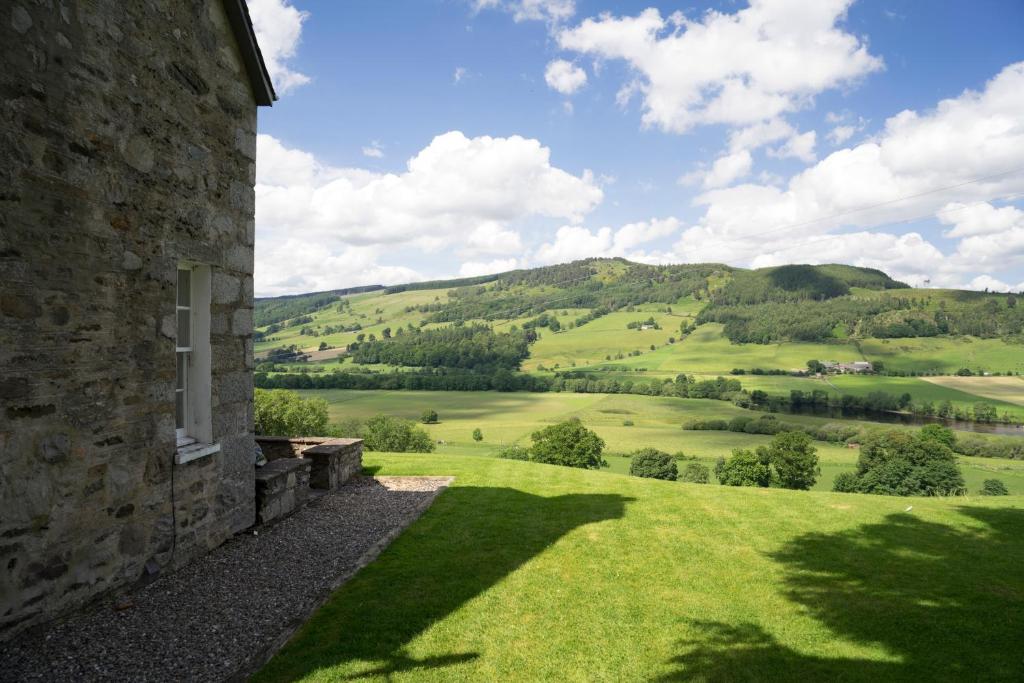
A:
523, 571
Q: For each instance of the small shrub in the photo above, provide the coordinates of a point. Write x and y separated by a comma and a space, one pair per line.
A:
695, 473
429, 417
993, 487
746, 468
478, 435
513, 452
653, 464
846, 482
568, 443
386, 433
280, 412
627, 423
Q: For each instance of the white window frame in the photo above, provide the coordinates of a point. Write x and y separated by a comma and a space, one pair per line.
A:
194, 438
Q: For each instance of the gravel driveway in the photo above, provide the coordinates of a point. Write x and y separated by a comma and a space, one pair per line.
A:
222, 615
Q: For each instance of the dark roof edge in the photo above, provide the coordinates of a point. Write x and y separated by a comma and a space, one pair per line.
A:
245, 36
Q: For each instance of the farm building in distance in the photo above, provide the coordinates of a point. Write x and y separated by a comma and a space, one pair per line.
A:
857, 366
126, 316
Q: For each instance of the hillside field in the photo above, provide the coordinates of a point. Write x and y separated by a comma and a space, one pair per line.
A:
522, 571
1006, 389
506, 418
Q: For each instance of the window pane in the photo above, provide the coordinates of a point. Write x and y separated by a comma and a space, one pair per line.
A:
182, 369
184, 287
184, 336
179, 409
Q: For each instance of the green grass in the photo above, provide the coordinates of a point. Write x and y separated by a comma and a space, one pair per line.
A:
1008, 389
945, 355
506, 418
533, 572
923, 390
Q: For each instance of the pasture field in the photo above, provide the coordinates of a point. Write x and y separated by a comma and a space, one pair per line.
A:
945, 355
507, 418
1006, 389
366, 309
960, 394
607, 336
522, 571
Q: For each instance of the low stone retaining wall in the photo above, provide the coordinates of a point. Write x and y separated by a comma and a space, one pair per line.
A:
282, 487
334, 461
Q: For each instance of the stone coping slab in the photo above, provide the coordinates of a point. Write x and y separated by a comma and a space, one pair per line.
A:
225, 614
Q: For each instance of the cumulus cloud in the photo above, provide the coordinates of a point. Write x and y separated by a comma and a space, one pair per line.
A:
737, 69
573, 242
459, 74
976, 136
551, 11
278, 27
724, 171
798, 146
564, 77
475, 268
457, 192
373, 150
841, 134
981, 218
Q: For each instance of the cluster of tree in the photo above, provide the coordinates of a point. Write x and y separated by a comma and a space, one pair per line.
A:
276, 309
441, 379
798, 283
388, 433
543, 320
902, 463
641, 324
286, 354
567, 443
790, 461
802, 319
285, 413
468, 347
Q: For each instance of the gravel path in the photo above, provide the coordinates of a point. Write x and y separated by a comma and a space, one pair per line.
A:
221, 616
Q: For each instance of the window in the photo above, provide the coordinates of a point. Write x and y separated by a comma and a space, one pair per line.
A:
193, 424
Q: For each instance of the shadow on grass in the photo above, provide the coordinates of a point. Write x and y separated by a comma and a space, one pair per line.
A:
470, 539
944, 603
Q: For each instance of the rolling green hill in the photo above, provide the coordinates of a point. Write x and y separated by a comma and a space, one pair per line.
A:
613, 319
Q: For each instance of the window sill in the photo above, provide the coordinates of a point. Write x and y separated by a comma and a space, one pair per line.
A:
194, 451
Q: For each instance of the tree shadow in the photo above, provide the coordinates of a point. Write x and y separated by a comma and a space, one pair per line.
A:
470, 539
944, 603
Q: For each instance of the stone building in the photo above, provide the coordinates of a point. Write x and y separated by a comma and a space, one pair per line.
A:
127, 165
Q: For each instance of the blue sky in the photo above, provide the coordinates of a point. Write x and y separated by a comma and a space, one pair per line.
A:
517, 169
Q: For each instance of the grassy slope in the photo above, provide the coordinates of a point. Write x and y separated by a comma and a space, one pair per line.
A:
532, 572
1009, 389
944, 354
510, 418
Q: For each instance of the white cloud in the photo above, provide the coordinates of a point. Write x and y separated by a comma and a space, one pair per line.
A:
798, 146
991, 284
760, 134
841, 134
457, 192
373, 150
459, 74
979, 219
299, 265
575, 242
551, 11
564, 77
278, 28
724, 171
973, 136
475, 268
737, 69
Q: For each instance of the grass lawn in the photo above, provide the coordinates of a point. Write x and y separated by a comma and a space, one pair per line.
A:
533, 572
506, 418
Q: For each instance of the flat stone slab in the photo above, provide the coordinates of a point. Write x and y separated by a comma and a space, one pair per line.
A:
223, 615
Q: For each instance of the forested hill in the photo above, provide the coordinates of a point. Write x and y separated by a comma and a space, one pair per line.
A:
785, 303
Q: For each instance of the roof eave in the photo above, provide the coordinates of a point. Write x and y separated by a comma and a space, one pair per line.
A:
252, 58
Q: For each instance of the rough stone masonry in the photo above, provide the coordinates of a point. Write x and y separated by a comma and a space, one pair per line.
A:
127, 146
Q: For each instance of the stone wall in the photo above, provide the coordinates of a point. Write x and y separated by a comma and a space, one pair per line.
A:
334, 461
127, 145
